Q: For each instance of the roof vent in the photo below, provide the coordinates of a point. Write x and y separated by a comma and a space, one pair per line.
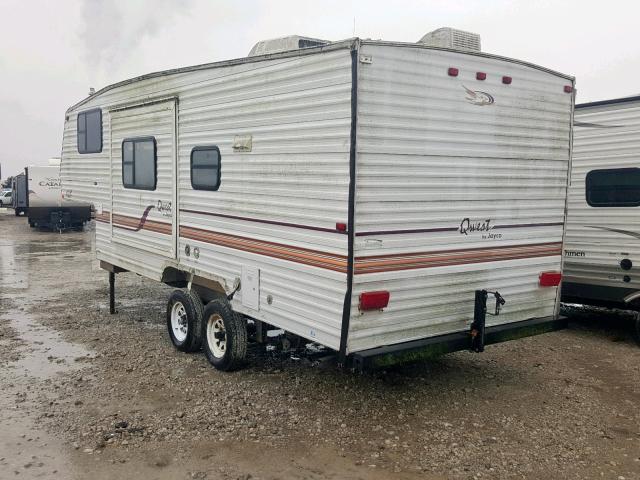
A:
282, 44
451, 38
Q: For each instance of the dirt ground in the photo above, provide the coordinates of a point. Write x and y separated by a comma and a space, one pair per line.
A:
85, 394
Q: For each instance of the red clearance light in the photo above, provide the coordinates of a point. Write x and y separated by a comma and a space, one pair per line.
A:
374, 300
341, 227
568, 89
550, 279
506, 80
453, 72
481, 76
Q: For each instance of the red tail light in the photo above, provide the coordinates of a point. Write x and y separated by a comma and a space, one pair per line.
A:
481, 76
374, 300
568, 89
341, 227
550, 279
453, 72
506, 80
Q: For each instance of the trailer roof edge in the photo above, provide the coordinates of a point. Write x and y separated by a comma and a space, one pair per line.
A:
613, 101
343, 44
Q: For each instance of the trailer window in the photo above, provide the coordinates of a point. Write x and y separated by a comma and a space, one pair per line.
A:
205, 168
139, 158
90, 131
617, 187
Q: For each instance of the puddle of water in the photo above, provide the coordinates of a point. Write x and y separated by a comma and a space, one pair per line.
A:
45, 354
13, 271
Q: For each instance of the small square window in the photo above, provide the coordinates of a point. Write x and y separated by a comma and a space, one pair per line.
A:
616, 187
205, 168
90, 131
139, 163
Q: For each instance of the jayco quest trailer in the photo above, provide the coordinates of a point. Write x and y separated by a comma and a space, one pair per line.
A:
602, 249
365, 195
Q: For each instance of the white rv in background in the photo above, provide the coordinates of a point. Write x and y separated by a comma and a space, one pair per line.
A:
44, 209
602, 249
20, 199
369, 196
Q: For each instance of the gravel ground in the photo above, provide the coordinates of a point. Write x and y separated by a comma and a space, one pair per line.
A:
92, 395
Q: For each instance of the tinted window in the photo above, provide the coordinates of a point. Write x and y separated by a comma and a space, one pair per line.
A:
139, 163
90, 131
205, 168
619, 187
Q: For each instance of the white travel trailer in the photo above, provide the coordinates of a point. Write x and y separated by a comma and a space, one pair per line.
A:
44, 209
364, 195
602, 249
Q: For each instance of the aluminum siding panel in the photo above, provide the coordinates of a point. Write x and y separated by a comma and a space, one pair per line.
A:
427, 160
290, 190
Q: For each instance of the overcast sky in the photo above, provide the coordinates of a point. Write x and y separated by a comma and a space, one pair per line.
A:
51, 52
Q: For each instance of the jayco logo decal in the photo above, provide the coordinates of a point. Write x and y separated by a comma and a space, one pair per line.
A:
476, 97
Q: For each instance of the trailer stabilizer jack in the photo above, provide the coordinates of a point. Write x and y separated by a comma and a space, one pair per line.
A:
477, 330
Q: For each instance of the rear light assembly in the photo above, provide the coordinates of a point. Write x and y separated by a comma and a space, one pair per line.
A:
453, 72
568, 89
550, 279
506, 80
374, 300
481, 76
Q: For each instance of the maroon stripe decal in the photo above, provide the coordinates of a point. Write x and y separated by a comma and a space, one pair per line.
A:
268, 222
143, 219
454, 229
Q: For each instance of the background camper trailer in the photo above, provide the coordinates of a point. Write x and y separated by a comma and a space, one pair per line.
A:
20, 194
602, 250
381, 199
44, 200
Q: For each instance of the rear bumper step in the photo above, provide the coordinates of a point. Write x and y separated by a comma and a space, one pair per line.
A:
425, 348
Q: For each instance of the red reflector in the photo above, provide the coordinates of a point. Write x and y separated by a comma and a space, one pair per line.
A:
481, 76
568, 89
374, 300
550, 279
506, 80
341, 227
453, 72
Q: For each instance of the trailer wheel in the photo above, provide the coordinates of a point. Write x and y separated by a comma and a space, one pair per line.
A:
224, 336
636, 329
184, 320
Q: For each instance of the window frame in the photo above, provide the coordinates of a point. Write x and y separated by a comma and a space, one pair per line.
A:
84, 150
587, 188
135, 140
201, 148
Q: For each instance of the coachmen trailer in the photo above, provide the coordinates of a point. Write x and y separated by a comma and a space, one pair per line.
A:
377, 198
602, 250
20, 198
44, 208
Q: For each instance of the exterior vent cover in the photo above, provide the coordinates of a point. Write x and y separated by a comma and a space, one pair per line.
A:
451, 38
282, 44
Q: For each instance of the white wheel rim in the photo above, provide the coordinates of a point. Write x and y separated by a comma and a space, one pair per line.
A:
216, 336
179, 324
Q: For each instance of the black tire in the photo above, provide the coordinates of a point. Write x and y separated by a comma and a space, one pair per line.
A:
186, 335
227, 353
636, 329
